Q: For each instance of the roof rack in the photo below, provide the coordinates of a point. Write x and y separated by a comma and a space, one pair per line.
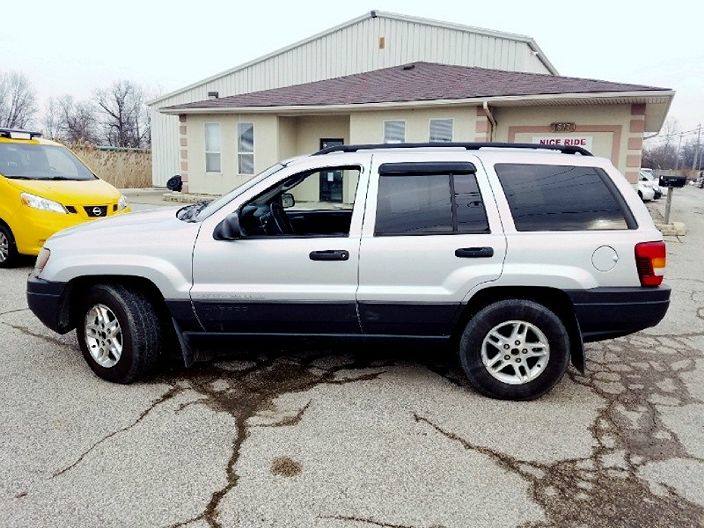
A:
8, 133
565, 149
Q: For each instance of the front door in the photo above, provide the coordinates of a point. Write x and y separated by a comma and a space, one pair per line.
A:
290, 274
431, 235
331, 181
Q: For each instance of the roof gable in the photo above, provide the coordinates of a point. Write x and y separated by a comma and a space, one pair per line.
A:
530, 42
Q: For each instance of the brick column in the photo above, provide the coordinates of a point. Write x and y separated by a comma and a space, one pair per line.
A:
183, 149
635, 141
482, 126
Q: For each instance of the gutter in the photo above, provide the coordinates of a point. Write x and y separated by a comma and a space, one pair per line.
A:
490, 117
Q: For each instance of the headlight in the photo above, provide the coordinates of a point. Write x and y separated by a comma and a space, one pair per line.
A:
42, 259
121, 203
37, 202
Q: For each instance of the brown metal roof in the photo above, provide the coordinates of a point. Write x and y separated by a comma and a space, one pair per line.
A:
419, 81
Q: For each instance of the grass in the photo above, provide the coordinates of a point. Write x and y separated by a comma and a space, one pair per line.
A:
123, 169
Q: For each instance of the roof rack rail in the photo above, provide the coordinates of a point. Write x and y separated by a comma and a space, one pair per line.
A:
565, 149
7, 133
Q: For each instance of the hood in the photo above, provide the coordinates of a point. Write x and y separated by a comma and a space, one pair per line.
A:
125, 223
70, 192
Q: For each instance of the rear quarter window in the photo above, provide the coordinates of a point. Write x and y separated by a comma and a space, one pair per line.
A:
563, 198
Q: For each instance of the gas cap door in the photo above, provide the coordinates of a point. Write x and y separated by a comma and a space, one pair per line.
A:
604, 258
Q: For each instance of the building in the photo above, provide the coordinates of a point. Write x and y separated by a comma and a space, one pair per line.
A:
391, 78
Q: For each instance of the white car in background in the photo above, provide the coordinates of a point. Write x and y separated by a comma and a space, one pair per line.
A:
648, 177
644, 189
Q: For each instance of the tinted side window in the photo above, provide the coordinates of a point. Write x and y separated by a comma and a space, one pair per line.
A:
562, 198
426, 205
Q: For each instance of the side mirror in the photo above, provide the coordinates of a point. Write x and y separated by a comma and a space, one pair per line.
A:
229, 228
287, 200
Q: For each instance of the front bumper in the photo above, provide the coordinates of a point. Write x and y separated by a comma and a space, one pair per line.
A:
35, 227
48, 301
604, 313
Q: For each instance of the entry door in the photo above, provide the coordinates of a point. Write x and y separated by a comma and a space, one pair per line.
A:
429, 238
331, 181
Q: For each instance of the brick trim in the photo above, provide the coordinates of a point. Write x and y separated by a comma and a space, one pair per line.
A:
632, 176
638, 109
637, 126
616, 130
635, 143
633, 161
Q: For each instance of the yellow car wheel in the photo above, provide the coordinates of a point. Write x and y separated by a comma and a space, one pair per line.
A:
8, 249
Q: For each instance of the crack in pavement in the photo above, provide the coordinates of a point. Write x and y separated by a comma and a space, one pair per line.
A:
289, 420
373, 522
172, 392
16, 310
30, 333
246, 392
633, 376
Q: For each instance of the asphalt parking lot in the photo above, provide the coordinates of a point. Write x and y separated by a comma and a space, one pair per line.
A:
358, 438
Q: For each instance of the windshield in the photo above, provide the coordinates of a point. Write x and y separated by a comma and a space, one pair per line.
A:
213, 206
41, 162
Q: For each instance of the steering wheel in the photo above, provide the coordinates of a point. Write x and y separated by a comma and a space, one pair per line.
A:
280, 219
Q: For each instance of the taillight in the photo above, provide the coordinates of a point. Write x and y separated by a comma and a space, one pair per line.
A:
650, 261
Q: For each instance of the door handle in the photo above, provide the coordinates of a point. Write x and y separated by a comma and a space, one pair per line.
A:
330, 254
474, 252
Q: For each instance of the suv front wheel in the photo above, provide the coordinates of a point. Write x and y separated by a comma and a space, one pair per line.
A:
514, 349
119, 332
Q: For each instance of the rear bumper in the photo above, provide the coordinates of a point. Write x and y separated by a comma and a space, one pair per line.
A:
604, 313
46, 300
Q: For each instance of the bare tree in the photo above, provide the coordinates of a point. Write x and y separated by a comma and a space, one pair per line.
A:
124, 116
18, 102
71, 121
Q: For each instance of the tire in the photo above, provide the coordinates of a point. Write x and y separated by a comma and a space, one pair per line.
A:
140, 332
8, 248
538, 374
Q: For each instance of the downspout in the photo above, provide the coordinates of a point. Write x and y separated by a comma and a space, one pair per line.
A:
490, 117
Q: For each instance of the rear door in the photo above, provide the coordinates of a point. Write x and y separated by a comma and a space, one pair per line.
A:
431, 235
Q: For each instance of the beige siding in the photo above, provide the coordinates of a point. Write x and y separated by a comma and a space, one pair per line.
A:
265, 151
368, 127
348, 50
607, 125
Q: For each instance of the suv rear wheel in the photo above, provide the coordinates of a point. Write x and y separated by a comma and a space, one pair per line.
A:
8, 250
514, 350
119, 333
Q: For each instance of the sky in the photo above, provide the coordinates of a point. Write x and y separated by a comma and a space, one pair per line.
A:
75, 46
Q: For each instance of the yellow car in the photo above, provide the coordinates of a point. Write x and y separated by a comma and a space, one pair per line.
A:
45, 188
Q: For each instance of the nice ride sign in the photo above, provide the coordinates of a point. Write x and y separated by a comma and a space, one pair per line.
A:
570, 140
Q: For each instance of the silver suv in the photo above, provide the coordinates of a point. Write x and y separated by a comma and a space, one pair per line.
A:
516, 254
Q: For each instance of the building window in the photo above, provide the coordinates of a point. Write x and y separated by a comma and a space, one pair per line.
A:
440, 130
245, 148
394, 131
562, 198
212, 147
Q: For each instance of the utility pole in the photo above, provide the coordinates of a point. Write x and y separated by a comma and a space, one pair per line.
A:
677, 156
695, 161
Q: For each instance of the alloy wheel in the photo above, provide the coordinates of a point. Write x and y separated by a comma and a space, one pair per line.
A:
515, 352
103, 335
4, 247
